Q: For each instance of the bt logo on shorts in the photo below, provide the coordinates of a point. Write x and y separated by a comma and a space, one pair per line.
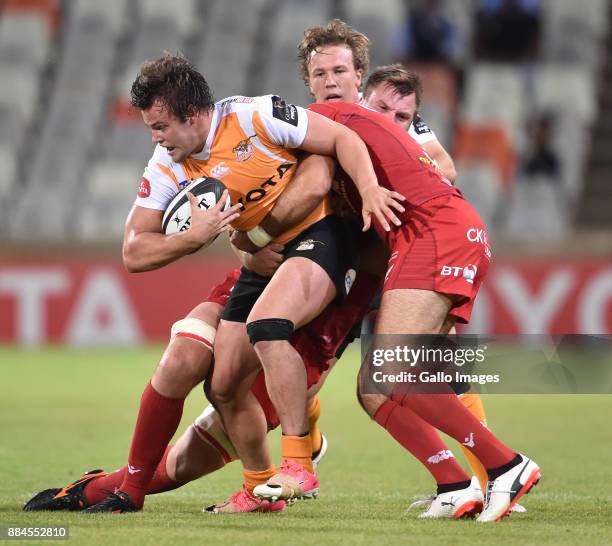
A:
468, 272
475, 235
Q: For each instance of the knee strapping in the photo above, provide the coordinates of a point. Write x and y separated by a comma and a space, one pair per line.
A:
195, 329
273, 329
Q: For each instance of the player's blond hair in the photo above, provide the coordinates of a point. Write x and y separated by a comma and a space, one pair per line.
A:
404, 81
336, 32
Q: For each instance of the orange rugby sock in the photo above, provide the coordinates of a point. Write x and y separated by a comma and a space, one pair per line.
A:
299, 449
473, 402
253, 478
314, 412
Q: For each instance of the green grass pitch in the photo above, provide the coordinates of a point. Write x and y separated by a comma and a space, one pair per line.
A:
66, 411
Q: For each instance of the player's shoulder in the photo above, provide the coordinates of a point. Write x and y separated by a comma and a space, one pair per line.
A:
336, 109
242, 104
273, 111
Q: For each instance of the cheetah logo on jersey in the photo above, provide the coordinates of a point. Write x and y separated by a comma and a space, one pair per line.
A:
244, 149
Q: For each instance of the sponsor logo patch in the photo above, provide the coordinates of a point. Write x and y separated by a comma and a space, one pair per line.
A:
349, 279
426, 160
469, 441
283, 111
220, 170
144, 188
475, 235
308, 244
239, 100
469, 273
420, 127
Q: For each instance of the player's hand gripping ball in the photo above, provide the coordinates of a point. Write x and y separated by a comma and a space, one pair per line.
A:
177, 216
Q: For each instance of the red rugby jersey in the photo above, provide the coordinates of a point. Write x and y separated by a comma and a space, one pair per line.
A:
399, 161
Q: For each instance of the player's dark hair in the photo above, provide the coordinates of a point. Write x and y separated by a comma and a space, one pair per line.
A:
404, 81
175, 83
336, 32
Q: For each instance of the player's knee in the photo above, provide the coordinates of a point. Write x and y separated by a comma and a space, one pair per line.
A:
369, 402
272, 329
183, 367
196, 352
222, 390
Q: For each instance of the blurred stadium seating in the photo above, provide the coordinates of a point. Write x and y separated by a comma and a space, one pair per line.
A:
72, 149
67, 131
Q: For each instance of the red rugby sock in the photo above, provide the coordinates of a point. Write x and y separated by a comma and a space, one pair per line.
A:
157, 422
422, 440
98, 489
447, 413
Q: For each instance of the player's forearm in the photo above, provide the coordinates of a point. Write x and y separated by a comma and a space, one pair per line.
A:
442, 158
310, 184
447, 166
241, 255
147, 251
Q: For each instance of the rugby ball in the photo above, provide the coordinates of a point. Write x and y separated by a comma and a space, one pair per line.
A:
177, 216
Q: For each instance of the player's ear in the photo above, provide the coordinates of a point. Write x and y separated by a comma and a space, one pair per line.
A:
359, 74
310, 87
192, 115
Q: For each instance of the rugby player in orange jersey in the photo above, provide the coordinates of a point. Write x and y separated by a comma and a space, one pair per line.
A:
247, 142
204, 447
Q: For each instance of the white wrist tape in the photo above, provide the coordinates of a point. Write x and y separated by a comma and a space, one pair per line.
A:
259, 236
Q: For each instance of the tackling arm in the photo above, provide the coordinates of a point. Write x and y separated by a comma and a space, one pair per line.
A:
327, 137
310, 184
445, 162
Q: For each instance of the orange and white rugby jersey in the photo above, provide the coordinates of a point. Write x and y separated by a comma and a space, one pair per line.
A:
249, 148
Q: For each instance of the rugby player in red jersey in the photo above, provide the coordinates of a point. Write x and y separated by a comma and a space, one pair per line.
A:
419, 298
436, 302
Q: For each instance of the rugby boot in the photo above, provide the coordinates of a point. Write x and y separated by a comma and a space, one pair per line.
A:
291, 482
116, 503
71, 497
242, 502
504, 492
